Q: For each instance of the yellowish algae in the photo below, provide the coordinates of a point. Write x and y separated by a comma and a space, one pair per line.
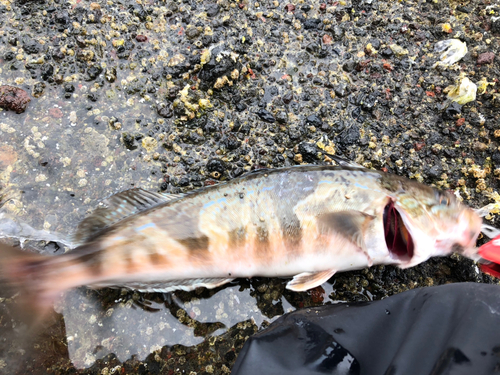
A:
464, 91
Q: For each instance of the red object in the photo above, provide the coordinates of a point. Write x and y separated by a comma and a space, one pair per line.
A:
491, 252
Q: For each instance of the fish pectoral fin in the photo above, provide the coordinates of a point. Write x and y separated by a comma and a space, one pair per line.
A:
172, 285
116, 208
349, 224
308, 280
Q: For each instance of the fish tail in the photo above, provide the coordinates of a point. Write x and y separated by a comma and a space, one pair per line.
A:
23, 281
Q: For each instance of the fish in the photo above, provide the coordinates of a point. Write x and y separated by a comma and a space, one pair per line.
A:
304, 222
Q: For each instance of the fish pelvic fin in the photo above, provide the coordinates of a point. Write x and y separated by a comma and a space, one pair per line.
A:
21, 274
116, 208
308, 280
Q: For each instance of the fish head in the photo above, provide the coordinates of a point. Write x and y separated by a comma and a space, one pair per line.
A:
422, 222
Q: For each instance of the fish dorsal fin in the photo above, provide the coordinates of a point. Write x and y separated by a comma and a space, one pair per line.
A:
344, 162
116, 208
308, 280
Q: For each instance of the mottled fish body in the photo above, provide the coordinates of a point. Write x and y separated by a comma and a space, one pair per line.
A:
307, 222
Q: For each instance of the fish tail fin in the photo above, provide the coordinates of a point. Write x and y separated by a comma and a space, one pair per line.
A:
22, 283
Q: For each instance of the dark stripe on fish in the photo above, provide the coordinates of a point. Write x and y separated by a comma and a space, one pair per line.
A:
237, 237
287, 197
157, 258
262, 245
195, 244
183, 227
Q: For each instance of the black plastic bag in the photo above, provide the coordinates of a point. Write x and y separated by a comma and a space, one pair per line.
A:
448, 329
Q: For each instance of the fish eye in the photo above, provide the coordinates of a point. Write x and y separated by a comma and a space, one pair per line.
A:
444, 200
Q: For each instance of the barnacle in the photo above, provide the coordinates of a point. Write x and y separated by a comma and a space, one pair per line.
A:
453, 50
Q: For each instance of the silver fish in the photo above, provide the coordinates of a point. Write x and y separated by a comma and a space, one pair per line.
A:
308, 222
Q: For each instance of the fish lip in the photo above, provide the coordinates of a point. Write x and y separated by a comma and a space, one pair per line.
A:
397, 233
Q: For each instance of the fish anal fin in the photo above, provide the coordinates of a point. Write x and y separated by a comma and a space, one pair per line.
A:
116, 208
308, 280
172, 285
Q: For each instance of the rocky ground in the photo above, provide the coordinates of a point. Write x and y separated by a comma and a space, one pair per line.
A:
176, 95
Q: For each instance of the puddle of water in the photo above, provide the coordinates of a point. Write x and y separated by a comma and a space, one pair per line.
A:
126, 329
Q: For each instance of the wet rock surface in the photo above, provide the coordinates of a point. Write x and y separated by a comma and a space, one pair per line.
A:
179, 95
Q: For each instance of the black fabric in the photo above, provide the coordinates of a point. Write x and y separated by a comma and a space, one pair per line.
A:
448, 329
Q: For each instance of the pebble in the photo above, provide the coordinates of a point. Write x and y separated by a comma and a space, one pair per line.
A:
485, 58
13, 98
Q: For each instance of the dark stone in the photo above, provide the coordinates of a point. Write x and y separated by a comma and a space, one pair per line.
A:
212, 10
38, 89
92, 97
452, 111
436, 171
341, 89
495, 26
13, 98
369, 102
375, 43
68, 87
386, 52
47, 71
311, 23
240, 107
216, 165
337, 32
9, 56
266, 116
31, 47
129, 140
232, 143
93, 72
314, 120
349, 66
281, 117
288, 97
495, 157
349, 136
165, 111
309, 152
62, 18
192, 32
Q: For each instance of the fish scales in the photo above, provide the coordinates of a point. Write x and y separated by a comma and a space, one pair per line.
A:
307, 222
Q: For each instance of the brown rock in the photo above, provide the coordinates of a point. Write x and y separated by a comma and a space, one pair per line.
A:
290, 8
13, 98
327, 39
485, 58
480, 146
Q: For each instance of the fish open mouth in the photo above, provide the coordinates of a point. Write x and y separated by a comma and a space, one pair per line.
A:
397, 237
